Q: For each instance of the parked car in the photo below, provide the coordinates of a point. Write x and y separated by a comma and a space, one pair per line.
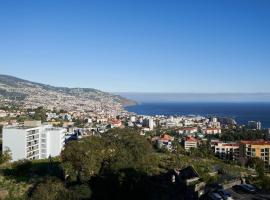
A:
225, 195
245, 188
214, 196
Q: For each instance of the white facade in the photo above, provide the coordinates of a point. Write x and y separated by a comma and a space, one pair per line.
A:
190, 142
33, 142
227, 150
133, 119
151, 123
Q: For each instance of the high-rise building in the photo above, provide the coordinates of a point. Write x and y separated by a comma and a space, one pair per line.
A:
33, 141
255, 125
151, 123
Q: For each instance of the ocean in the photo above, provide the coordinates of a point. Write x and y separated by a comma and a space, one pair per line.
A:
241, 112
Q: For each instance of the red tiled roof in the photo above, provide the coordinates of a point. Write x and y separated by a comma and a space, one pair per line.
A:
256, 142
166, 137
190, 139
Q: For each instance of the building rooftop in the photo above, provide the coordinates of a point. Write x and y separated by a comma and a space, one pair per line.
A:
256, 142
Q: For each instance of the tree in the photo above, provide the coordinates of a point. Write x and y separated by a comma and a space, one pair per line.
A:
1, 131
92, 156
21, 167
6, 156
257, 164
83, 159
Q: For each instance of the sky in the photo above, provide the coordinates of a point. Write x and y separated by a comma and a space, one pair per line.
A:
209, 46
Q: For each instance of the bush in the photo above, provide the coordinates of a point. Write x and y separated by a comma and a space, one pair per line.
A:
21, 167
50, 189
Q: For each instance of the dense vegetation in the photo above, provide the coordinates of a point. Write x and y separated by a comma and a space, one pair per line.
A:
119, 165
238, 134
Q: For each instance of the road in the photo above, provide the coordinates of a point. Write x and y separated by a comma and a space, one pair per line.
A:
247, 196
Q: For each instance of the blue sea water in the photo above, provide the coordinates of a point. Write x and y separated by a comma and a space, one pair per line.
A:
241, 112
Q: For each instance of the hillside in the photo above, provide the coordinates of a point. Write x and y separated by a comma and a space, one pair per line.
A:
31, 94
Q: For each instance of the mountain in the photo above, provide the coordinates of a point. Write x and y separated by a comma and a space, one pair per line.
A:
31, 94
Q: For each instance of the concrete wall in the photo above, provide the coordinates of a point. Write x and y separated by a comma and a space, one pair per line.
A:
231, 184
55, 142
15, 140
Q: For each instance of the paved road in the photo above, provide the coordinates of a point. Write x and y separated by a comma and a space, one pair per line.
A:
246, 196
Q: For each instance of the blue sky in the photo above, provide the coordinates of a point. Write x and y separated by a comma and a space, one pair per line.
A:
138, 45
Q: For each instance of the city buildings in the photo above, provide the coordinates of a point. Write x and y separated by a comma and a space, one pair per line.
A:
255, 125
33, 140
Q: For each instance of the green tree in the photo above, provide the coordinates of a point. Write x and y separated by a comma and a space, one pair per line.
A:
83, 159
6, 156
257, 164
21, 167
118, 149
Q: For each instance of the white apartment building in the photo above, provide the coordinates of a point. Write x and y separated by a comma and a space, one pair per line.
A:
227, 151
33, 141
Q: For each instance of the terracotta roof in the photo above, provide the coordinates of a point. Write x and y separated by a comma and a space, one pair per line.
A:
190, 139
256, 142
166, 137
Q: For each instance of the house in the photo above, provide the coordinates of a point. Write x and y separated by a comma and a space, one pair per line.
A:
116, 123
188, 130
212, 131
189, 179
164, 141
190, 142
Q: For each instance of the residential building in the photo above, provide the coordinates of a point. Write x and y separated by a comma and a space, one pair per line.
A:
33, 141
258, 148
255, 125
212, 131
151, 123
190, 142
188, 130
227, 151
164, 141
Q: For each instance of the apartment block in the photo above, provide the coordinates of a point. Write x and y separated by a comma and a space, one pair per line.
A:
258, 148
227, 151
33, 140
